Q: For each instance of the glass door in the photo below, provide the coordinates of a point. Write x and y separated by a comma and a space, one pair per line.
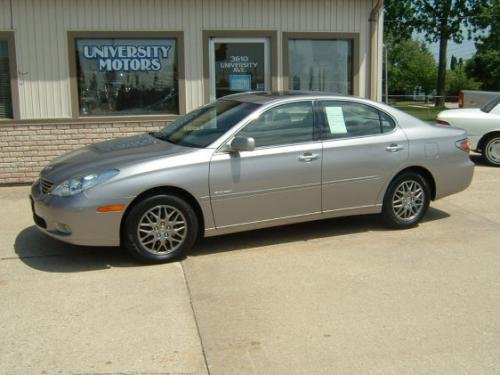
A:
238, 65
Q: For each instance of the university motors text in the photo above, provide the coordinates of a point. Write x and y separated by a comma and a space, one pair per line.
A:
127, 57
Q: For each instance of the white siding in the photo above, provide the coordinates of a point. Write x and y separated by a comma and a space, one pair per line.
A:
41, 28
4, 15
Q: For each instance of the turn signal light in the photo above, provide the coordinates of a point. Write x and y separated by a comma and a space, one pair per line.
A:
463, 145
442, 122
111, 208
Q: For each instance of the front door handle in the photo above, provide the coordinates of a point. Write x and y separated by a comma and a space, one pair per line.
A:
394, 148
308, 157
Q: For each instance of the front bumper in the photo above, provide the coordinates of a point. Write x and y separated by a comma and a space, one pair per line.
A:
54, 215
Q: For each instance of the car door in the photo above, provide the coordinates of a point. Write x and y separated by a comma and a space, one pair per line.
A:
280, 178
362, 148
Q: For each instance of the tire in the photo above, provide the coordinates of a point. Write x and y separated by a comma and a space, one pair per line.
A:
406, 200
491, 151
160, 228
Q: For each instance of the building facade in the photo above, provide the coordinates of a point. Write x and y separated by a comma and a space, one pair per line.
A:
73, 72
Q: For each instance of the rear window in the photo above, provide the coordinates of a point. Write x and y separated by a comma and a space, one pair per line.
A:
491, 104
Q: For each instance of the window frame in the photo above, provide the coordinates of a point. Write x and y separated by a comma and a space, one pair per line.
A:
322, 125
316, 128
9, 37
73, 78
352, 37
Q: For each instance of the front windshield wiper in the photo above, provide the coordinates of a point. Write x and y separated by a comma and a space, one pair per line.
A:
161, 137
165, 138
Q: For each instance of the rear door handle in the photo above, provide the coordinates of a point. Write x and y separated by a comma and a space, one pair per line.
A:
394, 148
308, 156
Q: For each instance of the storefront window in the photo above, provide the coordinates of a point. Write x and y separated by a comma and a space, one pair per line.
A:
320, 65
5, 92
127, 76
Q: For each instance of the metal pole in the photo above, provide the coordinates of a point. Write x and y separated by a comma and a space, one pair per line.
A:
386, 75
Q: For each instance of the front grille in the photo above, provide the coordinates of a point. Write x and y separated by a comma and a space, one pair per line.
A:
45, 186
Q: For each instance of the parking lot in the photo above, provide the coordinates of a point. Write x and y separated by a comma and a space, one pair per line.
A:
341, 296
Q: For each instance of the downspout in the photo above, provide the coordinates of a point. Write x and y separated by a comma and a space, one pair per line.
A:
11, 16
374, 48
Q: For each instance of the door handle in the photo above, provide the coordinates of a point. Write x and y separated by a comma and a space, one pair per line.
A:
394, 148
308, 157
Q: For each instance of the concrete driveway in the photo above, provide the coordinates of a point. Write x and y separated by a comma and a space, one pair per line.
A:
343, 296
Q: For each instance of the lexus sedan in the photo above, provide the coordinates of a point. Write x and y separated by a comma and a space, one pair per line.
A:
250, 161
482, 126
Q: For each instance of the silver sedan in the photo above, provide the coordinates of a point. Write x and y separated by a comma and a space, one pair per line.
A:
250, 161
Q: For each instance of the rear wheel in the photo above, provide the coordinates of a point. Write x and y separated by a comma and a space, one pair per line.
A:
406, 200
160, 228
491, 151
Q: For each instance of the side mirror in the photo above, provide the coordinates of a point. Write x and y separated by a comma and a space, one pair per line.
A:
242, 144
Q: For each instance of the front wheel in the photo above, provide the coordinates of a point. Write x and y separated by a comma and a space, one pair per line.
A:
406, 200
160, 228
491, 151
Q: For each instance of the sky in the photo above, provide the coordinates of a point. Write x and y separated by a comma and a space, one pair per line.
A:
464, 50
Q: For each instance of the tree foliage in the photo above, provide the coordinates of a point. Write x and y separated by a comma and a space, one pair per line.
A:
397, 16
457, 79
438, 20
485, 64
453, 62
410, 66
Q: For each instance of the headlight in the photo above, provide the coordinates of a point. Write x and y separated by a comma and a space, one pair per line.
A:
76, 185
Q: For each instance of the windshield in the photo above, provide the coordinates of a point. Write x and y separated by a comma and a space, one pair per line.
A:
205, 125
491, 104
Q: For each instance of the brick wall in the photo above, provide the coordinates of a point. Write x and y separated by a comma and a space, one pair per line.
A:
26, 148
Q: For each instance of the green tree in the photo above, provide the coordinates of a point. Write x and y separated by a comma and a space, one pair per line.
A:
397, 17
457, 79
410, 66
439, 21
484, 66
453, 62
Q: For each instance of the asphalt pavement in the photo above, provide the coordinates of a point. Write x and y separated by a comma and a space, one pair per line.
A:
340, 296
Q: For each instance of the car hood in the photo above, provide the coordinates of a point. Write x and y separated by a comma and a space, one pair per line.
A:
112, 154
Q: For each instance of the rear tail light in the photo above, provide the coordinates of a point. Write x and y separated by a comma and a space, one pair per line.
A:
442, 122
463, 145
461, 100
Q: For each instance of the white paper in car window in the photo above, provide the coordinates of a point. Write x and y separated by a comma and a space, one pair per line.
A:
336, 122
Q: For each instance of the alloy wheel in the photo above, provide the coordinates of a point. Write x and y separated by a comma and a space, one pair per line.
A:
408, 200
162, 229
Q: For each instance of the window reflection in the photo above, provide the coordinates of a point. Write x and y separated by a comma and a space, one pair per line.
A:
127, 76
320, 65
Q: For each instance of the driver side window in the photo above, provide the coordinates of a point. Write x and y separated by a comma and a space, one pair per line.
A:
285, 124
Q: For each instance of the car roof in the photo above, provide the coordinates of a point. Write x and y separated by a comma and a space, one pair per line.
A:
264, 97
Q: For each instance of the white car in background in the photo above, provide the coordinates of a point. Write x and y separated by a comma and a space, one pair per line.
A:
482, 126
